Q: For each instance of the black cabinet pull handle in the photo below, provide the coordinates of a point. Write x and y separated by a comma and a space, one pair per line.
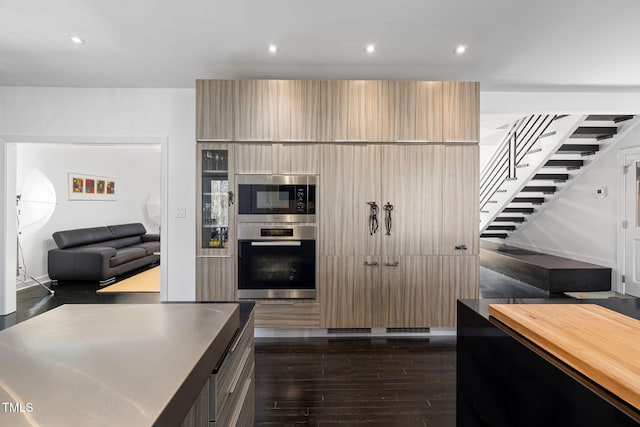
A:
373, 217
370, 264
461, 247
230, 193
387, 217
392, 264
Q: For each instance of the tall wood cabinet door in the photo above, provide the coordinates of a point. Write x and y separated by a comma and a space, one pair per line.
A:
255, 158
414, 291
461, 111
460, 203
296, 158
337, 278
404, 110
298, 115
349, 179
215, 279
255, 110
371, 294
334, 104
460, 280
428, 111
380, 120
366, 185
412, 184
362, 111
214, 110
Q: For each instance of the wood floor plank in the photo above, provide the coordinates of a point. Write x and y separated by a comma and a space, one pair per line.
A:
326, 382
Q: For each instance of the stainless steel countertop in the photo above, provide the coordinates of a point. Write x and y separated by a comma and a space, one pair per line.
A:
111, 364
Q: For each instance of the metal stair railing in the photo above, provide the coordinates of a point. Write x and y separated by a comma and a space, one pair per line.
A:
517, 142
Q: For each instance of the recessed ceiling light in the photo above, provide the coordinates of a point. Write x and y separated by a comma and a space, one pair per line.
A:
460, 49
273, 48
370, 48
76, 40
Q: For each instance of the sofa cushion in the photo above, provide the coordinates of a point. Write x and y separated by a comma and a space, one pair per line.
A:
82, 236
118, 243
125, 255
149, 247
125, 230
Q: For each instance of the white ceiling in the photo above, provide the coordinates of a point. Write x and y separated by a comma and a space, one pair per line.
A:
513, 44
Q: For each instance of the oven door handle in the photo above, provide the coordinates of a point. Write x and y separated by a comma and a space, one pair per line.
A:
280, 243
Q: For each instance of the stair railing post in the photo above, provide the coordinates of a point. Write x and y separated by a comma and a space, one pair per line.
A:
512, 155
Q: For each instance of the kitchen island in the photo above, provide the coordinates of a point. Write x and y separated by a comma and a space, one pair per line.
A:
118, 364
506, 378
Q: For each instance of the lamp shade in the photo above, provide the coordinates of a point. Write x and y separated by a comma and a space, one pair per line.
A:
36, 202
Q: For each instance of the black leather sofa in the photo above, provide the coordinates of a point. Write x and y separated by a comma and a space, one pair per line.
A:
101, 253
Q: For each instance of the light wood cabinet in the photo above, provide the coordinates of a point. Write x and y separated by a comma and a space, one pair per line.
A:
255, 158
298, 113
214, 110
414, 291
460, 200
255, 110
428, 111
459, 280
334, 105
412, 183
461, 112
352, 292
216, 278
276, 158
292, 314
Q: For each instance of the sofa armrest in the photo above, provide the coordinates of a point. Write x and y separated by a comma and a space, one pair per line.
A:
80, 263
150, 237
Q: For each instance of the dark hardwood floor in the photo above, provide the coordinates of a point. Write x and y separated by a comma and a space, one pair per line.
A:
329, 381
355, 382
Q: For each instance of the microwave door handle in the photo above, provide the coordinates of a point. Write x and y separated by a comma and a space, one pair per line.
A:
280, 243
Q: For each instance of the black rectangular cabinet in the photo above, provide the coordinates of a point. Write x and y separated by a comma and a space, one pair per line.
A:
505, 381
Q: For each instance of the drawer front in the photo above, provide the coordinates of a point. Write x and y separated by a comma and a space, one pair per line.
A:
287, 315
226, 382
239, 410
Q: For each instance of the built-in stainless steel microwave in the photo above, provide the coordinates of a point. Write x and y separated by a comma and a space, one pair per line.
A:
277, 198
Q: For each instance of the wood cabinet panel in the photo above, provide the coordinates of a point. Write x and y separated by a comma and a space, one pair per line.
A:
215, 279
429, 100
404, 113
255, 158
214, 110
298, 113
334, 104
414, 291
460, 280
353, 294
460, 200
296, 158
461, 111
349, 178
412, 183
287, 314
255, 110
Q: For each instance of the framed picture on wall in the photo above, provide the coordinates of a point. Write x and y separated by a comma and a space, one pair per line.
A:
91, 187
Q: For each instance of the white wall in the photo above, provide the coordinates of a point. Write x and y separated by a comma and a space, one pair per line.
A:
136, 169
58, 113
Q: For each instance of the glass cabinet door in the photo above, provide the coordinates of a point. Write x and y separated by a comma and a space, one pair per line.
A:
216, 199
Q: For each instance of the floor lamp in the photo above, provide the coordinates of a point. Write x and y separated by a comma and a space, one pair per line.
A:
35, 205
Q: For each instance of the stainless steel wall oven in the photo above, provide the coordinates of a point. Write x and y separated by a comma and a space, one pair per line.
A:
276, 261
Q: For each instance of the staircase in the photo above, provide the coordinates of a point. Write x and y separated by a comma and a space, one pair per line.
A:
534, 162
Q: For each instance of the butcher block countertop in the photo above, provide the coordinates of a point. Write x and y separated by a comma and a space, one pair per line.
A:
599, 343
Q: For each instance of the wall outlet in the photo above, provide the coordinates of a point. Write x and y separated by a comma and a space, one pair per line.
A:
181, 212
